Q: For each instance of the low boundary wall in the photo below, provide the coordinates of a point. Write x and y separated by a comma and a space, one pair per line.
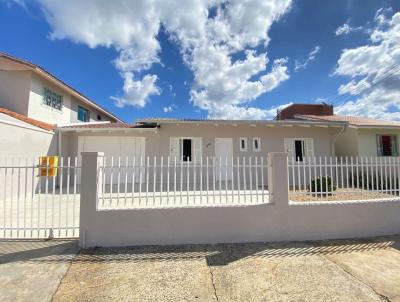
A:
279, 220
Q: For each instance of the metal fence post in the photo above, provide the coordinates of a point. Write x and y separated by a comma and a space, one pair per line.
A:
91, 184
278, 185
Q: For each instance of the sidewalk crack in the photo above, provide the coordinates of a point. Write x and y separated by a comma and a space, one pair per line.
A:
383, 297
212, 282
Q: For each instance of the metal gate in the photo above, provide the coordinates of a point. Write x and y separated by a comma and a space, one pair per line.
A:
39, 198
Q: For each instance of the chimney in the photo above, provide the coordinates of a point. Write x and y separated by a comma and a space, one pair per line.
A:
291, 111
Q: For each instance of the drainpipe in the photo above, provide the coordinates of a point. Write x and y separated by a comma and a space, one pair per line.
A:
344, 128
59, 153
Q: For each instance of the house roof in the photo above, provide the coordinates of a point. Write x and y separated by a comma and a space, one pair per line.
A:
107, 126
28, 120
356, 121
46, 74
250, 122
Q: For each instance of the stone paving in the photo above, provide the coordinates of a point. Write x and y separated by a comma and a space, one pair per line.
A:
335, 270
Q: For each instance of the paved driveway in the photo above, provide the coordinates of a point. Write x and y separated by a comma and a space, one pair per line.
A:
344, 270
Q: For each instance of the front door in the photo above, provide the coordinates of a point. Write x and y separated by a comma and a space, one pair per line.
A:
223, 158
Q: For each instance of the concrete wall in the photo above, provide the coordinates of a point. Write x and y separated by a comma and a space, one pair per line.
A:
362, 142
279, 220
14, 90
272, 138
367, 140
69, 112
25, 141
347, 143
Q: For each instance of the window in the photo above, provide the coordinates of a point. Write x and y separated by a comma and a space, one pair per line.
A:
299, 149
387, 145
185, 149
52, 99
83, 114
99, 117
256, 144
243, 144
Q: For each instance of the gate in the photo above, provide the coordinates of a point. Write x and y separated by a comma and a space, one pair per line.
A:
39, 198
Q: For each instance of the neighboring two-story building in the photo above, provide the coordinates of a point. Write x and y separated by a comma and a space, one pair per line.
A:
32, 102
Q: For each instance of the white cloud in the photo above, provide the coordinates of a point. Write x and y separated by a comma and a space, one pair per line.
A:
168, 109
346, 29
136, 93
245, 113
311, 57
374, 71
209, 34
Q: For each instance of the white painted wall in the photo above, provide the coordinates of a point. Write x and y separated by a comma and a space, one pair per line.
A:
272, 138
362, 142
23, 140
367, 144
14, 90
277, 221
69, 113
347, 143
38, 110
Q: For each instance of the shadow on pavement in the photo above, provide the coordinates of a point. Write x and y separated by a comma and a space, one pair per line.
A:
223, 254
38, 251
41, 251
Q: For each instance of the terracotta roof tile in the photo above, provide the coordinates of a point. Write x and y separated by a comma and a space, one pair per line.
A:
28, 120
352, 120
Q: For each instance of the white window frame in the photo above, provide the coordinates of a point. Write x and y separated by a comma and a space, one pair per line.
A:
181, 138
245, 144
307, 142
258, 143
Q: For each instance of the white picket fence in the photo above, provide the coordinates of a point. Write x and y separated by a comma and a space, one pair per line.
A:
34, 206
344, 178
159, 182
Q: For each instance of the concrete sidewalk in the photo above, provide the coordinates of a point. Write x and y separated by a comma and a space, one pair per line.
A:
336, 270
343, 270
31, 270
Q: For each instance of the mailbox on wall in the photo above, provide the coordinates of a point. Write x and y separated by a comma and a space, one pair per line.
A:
48, 165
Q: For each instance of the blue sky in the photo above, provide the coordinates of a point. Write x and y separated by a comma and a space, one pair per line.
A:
214, 59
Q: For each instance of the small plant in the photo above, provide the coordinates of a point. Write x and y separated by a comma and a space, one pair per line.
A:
322, 186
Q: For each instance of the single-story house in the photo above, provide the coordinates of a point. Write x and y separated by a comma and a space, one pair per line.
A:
188, 140
363, 136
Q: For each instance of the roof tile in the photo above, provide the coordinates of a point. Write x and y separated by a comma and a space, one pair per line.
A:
28, 120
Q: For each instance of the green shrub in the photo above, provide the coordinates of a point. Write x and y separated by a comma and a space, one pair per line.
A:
322, 186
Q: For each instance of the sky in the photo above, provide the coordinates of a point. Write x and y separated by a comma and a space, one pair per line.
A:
214, 59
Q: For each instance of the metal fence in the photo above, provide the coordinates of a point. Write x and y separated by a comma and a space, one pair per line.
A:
39, 201
344, 178
159, 182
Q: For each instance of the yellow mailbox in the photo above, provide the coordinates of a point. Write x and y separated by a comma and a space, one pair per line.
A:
48, 165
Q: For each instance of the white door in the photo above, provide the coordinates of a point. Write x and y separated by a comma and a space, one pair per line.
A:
123, 150
223, 158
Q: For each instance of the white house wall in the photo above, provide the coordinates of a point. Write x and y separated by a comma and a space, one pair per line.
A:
347, 143
14, 90
367, 140
42, 112
272, 138
19, 142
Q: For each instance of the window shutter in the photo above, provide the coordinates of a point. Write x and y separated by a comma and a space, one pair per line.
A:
174, 151
288, 142
309, 148
379, 150
197, 148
